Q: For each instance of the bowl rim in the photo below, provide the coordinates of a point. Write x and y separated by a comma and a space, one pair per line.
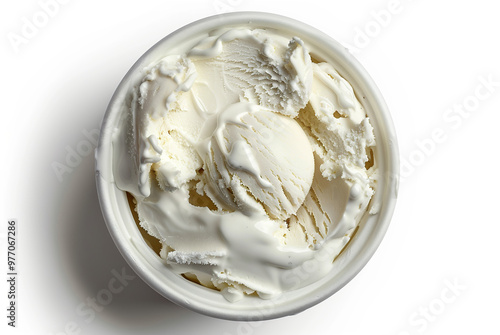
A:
113, 217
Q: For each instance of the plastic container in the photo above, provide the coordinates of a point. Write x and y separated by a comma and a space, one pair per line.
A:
372, 228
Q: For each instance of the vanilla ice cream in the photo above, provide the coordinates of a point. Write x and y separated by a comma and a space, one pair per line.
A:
247, 160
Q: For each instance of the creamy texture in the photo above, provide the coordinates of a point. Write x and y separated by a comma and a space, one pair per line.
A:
248, 162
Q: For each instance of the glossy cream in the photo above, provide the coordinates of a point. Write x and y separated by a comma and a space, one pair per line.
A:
247, 161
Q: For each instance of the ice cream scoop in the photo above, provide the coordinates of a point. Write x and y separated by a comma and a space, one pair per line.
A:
257, 161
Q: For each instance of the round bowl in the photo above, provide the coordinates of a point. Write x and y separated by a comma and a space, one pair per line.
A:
151, 268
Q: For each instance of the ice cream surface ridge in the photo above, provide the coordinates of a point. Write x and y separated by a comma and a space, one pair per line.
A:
246, 160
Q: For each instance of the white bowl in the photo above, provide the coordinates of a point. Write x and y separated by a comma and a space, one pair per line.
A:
372, 228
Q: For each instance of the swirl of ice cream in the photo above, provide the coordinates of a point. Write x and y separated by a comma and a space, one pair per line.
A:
246, 160
252, 173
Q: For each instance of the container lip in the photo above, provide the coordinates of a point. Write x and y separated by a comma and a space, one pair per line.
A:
107, 192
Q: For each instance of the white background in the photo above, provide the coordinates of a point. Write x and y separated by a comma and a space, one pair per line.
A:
429, 58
